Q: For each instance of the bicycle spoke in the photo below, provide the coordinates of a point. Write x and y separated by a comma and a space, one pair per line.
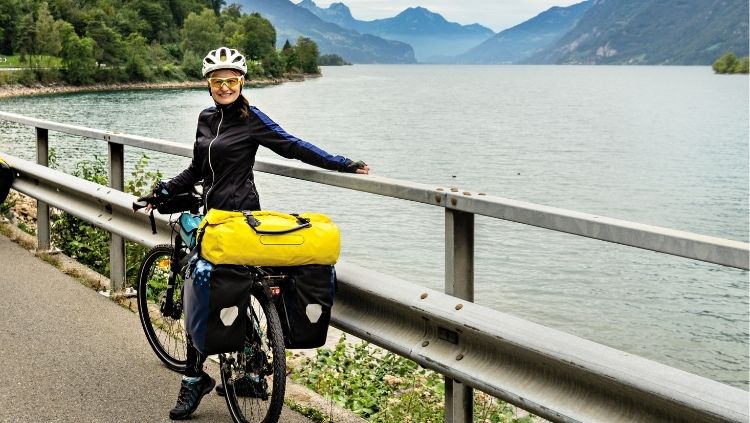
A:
255, 377
165, 333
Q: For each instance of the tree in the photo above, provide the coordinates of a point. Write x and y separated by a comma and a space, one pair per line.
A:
157, 19
742, 65
69, 11
47, 33
109, 47
9, 12
291, 61
128, 21
332, 60
725, 64
201, 32
192, 64
26, 42
258, 37
307, 53
233, 11
77, 55
216, 6
137, 58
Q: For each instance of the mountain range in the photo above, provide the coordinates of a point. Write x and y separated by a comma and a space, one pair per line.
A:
528, 38
292, 21
430, 34
653, 32
684, 32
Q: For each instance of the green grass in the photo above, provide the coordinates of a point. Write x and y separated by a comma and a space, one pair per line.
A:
14, 61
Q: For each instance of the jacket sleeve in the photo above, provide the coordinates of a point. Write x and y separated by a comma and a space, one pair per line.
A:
185, 180
269, 134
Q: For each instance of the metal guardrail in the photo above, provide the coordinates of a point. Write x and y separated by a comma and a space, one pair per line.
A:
552, 374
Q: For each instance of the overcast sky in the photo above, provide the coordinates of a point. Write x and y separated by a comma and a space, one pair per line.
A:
494, 14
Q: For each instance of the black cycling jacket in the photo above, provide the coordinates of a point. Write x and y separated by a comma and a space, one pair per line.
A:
224, 155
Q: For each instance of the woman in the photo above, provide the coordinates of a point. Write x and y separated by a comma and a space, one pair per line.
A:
227, 140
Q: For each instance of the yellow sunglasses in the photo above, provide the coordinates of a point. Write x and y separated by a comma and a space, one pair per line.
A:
232, 82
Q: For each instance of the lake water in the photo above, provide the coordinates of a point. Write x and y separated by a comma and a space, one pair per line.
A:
666, 146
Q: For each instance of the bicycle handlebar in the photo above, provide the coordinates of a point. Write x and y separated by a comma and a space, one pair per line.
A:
145, 201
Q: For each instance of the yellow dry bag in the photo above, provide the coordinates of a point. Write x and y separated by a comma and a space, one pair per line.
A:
268, 238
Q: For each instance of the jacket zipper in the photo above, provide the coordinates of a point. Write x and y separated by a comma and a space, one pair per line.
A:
213, 175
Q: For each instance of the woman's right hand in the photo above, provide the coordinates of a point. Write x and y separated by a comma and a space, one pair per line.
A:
358, 167
148, 202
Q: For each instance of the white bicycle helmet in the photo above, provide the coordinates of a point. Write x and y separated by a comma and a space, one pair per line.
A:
224, 58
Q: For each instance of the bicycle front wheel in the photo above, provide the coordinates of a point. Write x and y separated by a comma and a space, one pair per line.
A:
255, 378
160, 307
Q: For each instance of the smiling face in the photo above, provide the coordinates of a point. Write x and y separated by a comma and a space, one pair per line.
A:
225, 85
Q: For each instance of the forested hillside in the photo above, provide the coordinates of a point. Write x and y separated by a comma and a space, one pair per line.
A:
88, 41
653, 32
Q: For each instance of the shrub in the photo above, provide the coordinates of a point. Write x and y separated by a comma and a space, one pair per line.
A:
27, 77
384, 387
89, 244
192, 64
729, 63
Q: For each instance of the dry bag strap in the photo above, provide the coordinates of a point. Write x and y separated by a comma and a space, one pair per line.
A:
253, 222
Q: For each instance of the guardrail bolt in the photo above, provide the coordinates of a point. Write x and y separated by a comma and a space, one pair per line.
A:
453, 201
437, 198
459, 306
423, 296
459, 357
425, 343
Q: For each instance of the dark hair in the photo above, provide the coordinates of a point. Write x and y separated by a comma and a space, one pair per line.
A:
245, 108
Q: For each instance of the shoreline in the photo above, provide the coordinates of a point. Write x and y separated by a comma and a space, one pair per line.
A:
11, 91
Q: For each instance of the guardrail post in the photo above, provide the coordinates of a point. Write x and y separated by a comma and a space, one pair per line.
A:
459, 282
42, 208
117, 242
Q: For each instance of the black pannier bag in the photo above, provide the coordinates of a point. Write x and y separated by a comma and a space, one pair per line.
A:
305, 311
216, 304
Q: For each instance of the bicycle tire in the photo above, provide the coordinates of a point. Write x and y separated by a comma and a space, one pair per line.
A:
165, 334
246, 374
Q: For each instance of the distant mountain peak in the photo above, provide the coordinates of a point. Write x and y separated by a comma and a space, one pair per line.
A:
341, 9
292, 20
428, 32
419, 12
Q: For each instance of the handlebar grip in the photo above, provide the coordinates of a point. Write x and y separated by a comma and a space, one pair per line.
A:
137, 205
144, 201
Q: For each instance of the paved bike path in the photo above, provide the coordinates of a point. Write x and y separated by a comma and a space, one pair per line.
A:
69, 354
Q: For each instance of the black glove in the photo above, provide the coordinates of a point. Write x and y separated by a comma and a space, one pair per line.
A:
353, 166
158, 195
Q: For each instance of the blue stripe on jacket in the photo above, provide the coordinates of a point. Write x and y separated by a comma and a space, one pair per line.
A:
336, 160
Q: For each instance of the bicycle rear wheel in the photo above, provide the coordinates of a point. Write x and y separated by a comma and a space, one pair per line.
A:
255, 378
161, 317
